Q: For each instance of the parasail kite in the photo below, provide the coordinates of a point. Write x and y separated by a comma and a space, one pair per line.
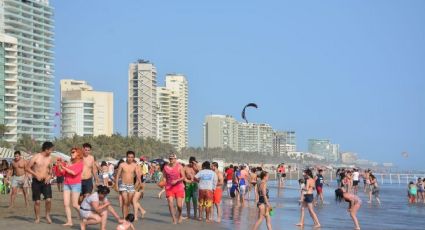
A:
405, 154
246, 106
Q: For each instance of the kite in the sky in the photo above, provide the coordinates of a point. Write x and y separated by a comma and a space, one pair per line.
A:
246, 106
405, 154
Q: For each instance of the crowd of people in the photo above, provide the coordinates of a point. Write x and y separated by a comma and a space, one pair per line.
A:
198, 186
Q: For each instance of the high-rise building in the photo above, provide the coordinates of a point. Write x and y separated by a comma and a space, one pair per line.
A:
222, 131
9, 86
142, 96
85, 112
255, 138
325, 148
31, 23
284, 142
173, 111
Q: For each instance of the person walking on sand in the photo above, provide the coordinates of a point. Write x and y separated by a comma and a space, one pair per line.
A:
127, 171
72, 183
174, 188
18, 176
40, 168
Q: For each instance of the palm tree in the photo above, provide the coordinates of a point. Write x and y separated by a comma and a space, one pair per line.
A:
3, 129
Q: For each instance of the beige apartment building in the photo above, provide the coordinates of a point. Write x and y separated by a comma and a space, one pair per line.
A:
85, 112
142, 100
223, 131
172, 113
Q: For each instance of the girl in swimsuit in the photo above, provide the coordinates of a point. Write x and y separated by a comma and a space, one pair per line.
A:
354, 204
263, 204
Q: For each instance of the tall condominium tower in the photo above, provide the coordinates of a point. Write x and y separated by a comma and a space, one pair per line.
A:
142, 105
8, 86
31, 23
85, 112
173, 111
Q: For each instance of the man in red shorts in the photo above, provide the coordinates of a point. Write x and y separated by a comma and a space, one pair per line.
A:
174, 187
218, 192
207, 183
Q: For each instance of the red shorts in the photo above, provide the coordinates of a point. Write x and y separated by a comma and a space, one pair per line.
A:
218, 193
319, 189
205, 198
176, 192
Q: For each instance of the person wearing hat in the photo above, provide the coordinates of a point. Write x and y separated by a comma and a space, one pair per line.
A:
174, 188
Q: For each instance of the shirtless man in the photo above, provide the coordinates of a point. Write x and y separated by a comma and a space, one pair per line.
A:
174, 188
191, 188
308, 200
40, 168
218, 192
127, 171
89, 171
18, 178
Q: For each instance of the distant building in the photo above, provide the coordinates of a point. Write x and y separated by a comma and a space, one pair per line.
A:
255, 138
284, 142
142, 96
85, 112
222, 131
348, 158
172, 113
325, 148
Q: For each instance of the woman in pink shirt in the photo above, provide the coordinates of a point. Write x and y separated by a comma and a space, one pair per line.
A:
72, 184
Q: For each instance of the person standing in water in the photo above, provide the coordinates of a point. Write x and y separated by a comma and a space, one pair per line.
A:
308, 200
263, 203
354, 204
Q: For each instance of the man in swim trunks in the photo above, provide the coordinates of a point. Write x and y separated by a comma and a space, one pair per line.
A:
218, 192
127, 171
319, 180
89, 172
191, 187
174, 188
207, 184
18, 178
40, 168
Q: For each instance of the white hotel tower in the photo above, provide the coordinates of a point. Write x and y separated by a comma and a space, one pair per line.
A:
29, 96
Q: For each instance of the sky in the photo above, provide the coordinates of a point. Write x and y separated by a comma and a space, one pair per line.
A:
349, 71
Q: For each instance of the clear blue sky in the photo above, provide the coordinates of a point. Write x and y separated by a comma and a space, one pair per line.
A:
351, 71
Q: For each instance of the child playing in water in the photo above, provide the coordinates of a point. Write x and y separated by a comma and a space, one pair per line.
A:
412, 192
127, 223
301, 182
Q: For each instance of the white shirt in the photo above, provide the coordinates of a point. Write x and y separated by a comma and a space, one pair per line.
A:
356, 175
